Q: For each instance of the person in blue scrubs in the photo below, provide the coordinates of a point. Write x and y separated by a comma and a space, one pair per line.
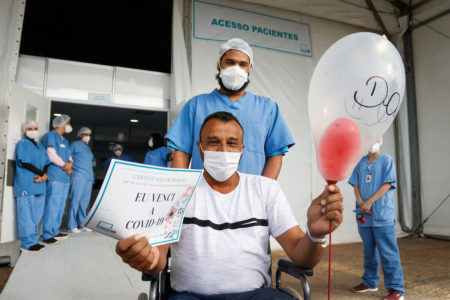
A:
81, 180
267, 137
374, 180
118, 154
29, 186
159, 155
59, 179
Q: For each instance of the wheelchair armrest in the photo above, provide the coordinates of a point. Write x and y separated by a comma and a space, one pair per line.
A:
149, 277
285, 265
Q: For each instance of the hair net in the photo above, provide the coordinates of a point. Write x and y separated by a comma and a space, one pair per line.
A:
60, 121
118, 146
236, 44
29, 123
83, 130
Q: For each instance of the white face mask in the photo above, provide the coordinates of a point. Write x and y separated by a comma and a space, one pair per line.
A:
68, 128
86, 139
221, 165
150, 143
233, 77
118, 153
32, 134
375, 148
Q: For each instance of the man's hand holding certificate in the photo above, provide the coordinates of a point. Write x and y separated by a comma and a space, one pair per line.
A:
143, 199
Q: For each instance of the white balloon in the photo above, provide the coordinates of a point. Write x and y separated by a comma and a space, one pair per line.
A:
360, 77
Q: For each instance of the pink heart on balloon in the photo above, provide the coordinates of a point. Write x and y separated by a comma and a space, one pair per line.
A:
338, 150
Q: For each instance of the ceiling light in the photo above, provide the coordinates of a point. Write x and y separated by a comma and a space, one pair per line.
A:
134, 121
57, 115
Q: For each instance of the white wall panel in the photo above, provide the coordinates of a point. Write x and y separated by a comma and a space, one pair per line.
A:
74, 80
432, 67
31, 71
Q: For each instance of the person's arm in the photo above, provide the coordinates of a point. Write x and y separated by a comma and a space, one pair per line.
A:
298, 246
273, 166
367, 205
32, 168
181, 160
358, 196
139, 254
54, 157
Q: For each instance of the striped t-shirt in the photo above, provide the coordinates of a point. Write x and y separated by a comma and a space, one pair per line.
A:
225, 237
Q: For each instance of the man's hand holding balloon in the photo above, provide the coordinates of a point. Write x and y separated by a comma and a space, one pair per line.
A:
325, 208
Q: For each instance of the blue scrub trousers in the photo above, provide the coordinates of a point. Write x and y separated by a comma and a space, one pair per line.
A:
80, 196
258, 294
381, 242
30, 209
55, 203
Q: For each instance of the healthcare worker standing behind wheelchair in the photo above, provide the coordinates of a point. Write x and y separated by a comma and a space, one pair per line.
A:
81, 180
59, 173
158, 155
29, 186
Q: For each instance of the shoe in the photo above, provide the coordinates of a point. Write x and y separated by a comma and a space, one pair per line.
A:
86, 229
362, 288
74, 230
51, 241
35, 248
61, 236
394, 295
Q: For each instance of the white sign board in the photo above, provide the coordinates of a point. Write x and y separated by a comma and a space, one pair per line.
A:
220, 23
138, 198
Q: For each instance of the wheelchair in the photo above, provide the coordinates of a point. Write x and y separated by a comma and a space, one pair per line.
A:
160, 283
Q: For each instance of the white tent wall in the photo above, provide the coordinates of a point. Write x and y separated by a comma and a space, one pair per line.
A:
285, 78
432, 72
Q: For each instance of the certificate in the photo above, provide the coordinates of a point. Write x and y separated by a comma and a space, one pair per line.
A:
144, 199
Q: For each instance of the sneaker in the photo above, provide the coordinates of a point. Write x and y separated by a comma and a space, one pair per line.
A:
51, 241
35, 248
61, 236
74, 230
86, 229
394, 295
362, 288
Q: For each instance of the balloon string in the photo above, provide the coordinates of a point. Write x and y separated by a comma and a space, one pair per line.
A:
329, 264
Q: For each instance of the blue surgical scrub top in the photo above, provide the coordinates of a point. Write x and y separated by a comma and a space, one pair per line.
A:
369, 178
265, 131
157, 157
82, 159
36, 155
123, 157
61, 145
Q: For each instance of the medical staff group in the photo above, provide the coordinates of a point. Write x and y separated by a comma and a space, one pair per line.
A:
45, 173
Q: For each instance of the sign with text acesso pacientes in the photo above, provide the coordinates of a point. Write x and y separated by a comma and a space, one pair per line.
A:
220, 23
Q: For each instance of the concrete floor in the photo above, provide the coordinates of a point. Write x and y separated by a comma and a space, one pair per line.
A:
425, 262
426, 267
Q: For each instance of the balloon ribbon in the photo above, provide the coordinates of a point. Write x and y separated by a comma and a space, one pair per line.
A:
330, 182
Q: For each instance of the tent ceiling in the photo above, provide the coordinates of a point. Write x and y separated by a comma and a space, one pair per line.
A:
357, 12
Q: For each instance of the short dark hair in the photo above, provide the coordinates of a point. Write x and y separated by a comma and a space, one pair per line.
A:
158, 141
223, 116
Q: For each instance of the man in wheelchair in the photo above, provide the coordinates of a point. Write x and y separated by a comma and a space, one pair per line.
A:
222, 252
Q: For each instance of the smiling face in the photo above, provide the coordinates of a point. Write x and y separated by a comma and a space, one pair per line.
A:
218, 135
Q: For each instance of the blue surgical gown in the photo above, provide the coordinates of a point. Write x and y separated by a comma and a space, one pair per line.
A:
265, 131
61, 145
27, 152
82, 159
369, 178
157, 157
123, 157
